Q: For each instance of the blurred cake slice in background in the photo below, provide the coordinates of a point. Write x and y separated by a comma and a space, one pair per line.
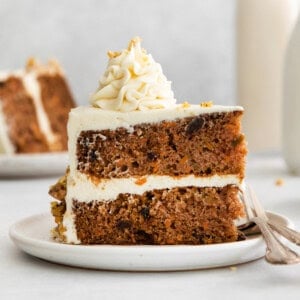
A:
34, 107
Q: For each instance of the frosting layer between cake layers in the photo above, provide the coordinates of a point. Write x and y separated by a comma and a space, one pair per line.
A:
6, 146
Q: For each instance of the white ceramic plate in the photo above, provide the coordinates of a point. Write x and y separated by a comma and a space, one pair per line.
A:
40, 164
32, 235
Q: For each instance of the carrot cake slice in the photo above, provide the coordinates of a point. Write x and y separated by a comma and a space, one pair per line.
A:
145, 170
34, 107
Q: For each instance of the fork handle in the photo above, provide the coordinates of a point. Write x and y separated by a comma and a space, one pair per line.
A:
288, 233
277, 253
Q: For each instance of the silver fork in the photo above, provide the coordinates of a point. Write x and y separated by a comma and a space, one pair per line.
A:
288, 233
277, 252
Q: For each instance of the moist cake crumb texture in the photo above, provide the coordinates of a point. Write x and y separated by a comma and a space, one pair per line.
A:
204, 146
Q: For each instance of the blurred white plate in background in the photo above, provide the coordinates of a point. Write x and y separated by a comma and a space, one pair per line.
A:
38, 164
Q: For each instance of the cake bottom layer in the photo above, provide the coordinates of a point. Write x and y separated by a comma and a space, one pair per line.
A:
189, 215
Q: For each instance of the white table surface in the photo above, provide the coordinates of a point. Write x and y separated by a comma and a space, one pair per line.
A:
25, 277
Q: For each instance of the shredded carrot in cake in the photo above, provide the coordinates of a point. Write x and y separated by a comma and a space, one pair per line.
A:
141, 181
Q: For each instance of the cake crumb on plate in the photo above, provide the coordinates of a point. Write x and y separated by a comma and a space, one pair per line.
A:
279, 182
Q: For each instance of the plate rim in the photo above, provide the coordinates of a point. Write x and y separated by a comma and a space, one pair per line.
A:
49, 250
13, 233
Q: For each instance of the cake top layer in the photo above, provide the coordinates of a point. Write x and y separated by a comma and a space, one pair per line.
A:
34, 67
51, 67
133, 81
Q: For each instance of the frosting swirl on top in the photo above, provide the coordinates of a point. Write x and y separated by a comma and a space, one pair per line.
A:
133, 81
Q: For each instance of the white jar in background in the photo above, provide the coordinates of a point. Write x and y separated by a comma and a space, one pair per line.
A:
263, 28
291, 103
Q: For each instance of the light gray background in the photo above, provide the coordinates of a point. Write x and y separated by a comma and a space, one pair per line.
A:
193, 40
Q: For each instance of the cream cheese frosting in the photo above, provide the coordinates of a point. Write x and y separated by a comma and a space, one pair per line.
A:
133, 81
32, 87
6, 146
81, 188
